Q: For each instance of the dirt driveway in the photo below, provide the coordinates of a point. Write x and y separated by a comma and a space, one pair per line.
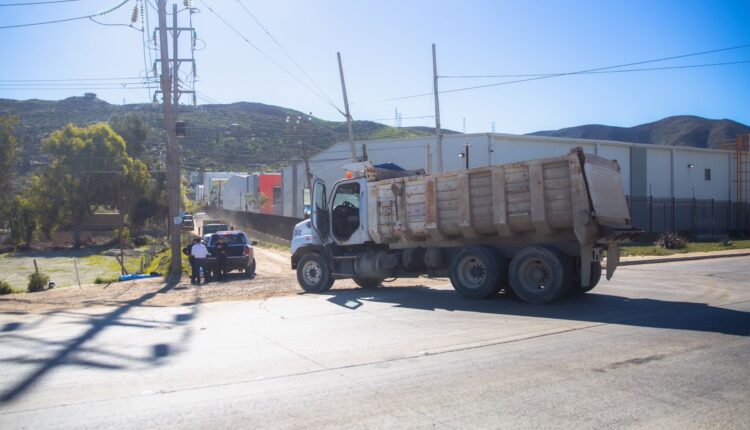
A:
274, 278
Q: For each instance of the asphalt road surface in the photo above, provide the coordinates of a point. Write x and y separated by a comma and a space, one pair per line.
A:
659, 346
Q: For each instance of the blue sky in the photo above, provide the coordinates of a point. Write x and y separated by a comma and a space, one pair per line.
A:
386, 49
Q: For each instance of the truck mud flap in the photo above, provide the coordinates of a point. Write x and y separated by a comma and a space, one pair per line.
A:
613, 258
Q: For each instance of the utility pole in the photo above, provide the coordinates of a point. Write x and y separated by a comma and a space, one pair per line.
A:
438, 133
308, 178
346, 108
172, 167
175, 62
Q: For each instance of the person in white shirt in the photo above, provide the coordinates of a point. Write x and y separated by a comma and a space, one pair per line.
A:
199, 252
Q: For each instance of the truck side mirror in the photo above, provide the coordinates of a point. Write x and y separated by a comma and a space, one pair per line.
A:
254, 242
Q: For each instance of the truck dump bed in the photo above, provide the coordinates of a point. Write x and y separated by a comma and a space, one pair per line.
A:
568, 197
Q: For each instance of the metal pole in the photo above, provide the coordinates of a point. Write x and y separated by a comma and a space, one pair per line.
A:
122, 221
466, 153
75, 266
438, 133
346, 108
172, 167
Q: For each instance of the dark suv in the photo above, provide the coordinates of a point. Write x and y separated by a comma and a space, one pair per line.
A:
241, 256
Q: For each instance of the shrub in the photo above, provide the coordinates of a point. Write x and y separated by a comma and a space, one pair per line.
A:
671, 241
127, 239
5, 288
37, 282
144, 240
105, 280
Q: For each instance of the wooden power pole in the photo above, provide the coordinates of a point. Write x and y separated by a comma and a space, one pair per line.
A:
438, 133
346, 109
173, 157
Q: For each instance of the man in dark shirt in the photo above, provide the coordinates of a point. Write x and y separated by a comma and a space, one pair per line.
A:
222, 254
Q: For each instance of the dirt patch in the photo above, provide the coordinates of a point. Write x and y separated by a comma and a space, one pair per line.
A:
274, 278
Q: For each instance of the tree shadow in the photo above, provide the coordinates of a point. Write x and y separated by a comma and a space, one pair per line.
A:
592, 307
68, 349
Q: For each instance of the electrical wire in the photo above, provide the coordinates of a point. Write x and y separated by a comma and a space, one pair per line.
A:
118, 6
645, 69
38, 3
271, 59
579, 72
288, 55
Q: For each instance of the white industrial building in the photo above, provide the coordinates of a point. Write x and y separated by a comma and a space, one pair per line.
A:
651, 173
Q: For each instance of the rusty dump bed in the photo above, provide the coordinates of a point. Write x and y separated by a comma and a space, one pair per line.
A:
539, 200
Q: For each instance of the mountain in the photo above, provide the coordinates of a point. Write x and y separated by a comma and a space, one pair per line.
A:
239, 136
683, 130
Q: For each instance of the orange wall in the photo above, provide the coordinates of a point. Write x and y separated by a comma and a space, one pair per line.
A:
266, 184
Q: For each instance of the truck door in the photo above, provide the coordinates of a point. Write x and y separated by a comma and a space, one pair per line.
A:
321, 218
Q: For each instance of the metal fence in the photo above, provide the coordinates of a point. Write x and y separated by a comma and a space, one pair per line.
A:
698, 216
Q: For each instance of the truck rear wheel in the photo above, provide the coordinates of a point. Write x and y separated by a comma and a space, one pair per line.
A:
477, 272
313, 273
367, 283
540, 275
250, 270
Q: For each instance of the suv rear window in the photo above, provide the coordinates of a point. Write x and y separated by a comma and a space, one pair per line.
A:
230, 239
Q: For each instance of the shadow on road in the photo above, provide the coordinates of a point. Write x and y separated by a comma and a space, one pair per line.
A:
71, 351
596, 308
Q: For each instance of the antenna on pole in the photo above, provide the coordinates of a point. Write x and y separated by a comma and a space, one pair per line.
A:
438, 133
346, 108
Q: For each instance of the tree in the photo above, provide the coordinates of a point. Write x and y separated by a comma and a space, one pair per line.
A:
90, 168
22, 221
7, 156
256, 203
134, 131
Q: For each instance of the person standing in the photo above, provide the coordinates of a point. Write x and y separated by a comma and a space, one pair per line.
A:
188, 251
222, 255
199, 252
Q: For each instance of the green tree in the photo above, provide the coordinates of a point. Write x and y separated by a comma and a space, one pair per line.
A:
7, 157
22, 221
133, 130
90, 168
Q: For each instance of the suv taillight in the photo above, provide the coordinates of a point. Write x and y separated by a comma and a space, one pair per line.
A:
247, 251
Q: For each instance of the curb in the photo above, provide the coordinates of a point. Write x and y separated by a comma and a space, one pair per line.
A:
685, 258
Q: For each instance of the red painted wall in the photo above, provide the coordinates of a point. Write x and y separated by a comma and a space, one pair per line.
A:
266, 184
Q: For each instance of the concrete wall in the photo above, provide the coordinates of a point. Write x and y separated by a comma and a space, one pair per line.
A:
233, 192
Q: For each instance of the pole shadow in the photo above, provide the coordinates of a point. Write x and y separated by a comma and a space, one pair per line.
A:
97, 324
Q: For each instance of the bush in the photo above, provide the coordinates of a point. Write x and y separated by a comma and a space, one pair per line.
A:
127, 239
5, 288
105, 280
144, 240
671, 241
37, 282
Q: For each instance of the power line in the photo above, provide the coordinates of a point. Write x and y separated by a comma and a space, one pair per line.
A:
288, 55
271, 59
121, 4
38, 3
73, 79
645, 69
579, 72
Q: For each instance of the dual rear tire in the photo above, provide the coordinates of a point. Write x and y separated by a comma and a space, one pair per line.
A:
536, 274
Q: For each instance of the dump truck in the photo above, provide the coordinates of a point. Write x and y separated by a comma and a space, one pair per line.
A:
537, 229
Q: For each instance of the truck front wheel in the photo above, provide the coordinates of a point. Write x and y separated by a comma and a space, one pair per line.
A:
313, 273
477, 271
540, 275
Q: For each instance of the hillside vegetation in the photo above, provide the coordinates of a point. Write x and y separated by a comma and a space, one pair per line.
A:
239, 136
683, 130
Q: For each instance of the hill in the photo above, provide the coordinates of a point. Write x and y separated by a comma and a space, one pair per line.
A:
239, 136
683, 130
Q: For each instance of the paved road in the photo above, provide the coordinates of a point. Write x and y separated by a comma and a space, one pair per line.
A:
664, 345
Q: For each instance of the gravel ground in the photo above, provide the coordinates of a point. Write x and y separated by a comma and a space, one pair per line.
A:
274, 278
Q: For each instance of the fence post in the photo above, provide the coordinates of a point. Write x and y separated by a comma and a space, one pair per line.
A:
729, 216
695, 217
713, 218
674, 216
651, 214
